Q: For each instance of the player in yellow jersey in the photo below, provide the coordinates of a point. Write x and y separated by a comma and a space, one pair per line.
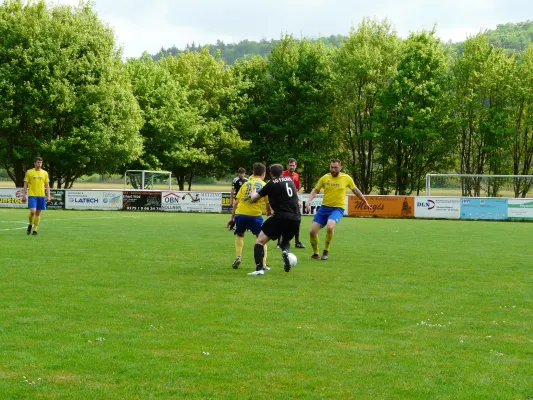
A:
35, 182
332, 209
247, 215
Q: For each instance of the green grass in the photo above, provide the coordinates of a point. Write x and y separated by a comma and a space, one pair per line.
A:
120, 305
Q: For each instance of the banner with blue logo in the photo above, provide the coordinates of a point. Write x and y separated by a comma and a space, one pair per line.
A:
483, 208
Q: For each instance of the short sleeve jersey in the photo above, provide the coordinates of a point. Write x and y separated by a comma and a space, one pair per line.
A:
294, 176
237, 183
36, 181
245, 207
283, 197
335, 189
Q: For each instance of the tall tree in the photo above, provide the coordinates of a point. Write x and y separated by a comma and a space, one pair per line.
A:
63, 93
482, 80
212, 90
299, 106
522, 136
416, 112
364, 64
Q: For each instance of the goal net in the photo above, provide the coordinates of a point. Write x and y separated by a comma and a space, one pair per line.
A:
479, 185
144, 179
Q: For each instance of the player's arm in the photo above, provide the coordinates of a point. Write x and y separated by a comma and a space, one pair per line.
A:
48, 197
313, 194
231, 222
358, 193
24, 191
232, 196
268, 209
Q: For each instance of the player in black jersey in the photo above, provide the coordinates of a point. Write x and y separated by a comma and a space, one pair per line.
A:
285, 222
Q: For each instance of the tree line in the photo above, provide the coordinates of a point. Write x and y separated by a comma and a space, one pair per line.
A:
392, 109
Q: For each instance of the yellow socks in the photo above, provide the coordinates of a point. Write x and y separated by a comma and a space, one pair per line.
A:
31, 218
239, 244
329, 238
314, 243
36, 221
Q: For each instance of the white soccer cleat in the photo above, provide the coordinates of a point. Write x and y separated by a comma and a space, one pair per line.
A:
260, 272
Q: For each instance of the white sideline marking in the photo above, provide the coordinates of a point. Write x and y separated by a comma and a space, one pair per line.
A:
60, 219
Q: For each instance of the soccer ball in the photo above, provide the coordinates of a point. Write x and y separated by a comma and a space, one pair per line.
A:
292, 259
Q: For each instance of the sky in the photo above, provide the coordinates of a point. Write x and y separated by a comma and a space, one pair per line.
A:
149, 25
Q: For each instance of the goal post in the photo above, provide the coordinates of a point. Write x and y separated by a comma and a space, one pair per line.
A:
146, 179
479, 185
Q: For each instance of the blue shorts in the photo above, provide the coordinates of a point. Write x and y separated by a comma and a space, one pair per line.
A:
37, 202
324, 213
245, 223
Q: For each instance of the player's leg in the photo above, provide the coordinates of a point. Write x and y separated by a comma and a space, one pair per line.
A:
289, 229
32, 205
333, 220
41, 206
240, 228
297, 243
319, 221
259, 253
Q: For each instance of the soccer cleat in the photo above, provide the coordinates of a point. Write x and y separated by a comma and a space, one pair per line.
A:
324, 255
28, 231
266, 267
34, 233
237, 262
260, 272
299, 245
314, 257
286, 261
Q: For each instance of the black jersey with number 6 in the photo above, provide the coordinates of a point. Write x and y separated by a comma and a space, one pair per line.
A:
283, 197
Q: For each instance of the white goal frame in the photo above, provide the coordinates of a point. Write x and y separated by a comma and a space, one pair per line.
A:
429, 176
143, 173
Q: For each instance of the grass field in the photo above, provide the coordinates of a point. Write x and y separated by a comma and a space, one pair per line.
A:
124, 305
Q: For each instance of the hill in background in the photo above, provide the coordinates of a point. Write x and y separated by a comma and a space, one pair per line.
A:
511, 36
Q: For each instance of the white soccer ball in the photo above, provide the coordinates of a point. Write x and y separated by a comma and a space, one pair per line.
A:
292, 259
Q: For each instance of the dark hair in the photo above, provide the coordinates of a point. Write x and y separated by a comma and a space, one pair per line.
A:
38, 159
291, 160
276, 170
336, 160
241, 170
259, 169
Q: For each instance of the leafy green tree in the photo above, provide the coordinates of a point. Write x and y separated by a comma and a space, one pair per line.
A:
482, 80
522, 137
299, 107
364, 64
416, 112
171, 126
63, 93
212, 90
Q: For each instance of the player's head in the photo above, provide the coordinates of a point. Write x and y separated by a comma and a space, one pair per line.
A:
335, 167
38, 162
241, 171
291, 165
259, 170
276, 170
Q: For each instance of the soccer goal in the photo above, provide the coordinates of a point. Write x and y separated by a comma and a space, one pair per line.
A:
472, 185
144, 179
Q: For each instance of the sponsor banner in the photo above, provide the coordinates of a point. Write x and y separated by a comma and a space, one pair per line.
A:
383, 206
226, 208
438, 207
93, 199
484, 208
191, 201
12, 198
141, 200
315, 204
57, 199
520, 209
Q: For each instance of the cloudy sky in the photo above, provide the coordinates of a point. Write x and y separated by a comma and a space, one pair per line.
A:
149, 25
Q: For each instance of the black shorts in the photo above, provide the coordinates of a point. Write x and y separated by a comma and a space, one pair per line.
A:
275, 227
